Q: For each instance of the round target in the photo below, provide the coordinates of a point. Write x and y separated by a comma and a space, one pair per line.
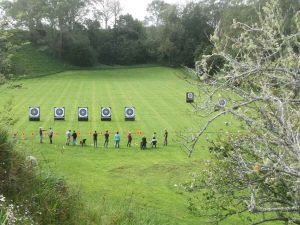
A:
105, 112
59, 112
222, 102
190, 95
82, 112
34, 112
129, 112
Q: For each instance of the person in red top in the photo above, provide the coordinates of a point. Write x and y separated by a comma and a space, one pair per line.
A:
129, 138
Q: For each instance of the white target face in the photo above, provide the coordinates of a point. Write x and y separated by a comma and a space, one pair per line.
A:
105, 112
129, 112
222, 102
59, 112
82, 112
190, 95
34, 112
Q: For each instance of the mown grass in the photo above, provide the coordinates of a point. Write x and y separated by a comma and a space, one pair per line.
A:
126, 186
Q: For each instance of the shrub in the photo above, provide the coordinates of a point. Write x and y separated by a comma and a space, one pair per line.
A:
46, 198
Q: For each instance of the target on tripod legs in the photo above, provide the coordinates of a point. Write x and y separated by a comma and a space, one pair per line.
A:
190, 97
59, 113
34, 113
129, 113
105, 113
82, 113
222, 102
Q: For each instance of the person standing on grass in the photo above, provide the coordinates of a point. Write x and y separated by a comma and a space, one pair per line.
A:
129, 139
143, 143
166, 137
50, 134
154, 140
68, 136
74, 136
117, 140
95, 137
106, 138
41, 134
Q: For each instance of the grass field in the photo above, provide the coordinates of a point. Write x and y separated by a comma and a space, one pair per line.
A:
115, 183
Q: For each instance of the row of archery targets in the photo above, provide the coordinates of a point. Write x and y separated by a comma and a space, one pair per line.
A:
83, 113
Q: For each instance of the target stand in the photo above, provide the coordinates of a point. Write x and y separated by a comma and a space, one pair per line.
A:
83, 114
190, 97
105, 113
34, 113
59, 113
129, 113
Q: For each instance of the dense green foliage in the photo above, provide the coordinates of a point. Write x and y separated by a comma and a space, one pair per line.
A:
171, 34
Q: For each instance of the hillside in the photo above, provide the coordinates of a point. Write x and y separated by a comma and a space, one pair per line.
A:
29, 61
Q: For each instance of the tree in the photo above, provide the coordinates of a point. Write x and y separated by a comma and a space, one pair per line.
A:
107, 9
7, 50
257, 170
156, 9
117, 10
130, 36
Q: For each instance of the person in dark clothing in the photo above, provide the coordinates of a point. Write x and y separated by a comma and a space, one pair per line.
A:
143, 143
106, 139
129, 138
74, 136
41, 134
95, 136
50, 135
166, 137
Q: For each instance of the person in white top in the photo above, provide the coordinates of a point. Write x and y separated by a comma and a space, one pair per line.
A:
68, 136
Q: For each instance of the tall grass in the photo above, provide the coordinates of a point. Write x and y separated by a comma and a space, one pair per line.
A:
46, 198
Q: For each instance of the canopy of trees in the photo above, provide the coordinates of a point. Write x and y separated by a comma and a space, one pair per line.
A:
86, 33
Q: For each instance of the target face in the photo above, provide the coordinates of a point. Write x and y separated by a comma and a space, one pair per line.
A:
59, 112
222, 102
190, 97
34, 112
82, 112
105, 112
129, 112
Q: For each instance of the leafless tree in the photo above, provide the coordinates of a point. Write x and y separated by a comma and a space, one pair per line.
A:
106, 10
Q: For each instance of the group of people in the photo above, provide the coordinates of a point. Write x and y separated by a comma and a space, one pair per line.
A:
117, 138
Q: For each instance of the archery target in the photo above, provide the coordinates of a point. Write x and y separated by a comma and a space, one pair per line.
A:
129, 112
34, 113
82, 113
59, 112
105, 111
222, 102
190, 97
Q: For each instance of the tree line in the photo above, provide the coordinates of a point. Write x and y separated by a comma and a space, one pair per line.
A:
86, 33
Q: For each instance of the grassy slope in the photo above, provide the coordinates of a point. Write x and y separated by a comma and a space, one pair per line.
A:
143, 179
29, 61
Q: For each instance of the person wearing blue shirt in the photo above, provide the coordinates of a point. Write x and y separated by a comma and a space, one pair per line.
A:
117, 140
